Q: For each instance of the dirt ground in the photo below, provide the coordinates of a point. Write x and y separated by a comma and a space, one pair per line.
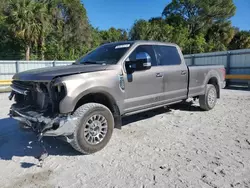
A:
176, 147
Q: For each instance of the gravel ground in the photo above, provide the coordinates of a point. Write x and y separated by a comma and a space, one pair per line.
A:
176, 147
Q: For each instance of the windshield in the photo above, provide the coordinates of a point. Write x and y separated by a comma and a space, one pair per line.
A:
106, 54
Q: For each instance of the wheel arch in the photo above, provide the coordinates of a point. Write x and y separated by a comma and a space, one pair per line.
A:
214, 81
104, 98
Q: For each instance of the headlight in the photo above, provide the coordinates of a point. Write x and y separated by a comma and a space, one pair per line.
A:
60, 91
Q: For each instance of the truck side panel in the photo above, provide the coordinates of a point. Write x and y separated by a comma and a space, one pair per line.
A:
199, 76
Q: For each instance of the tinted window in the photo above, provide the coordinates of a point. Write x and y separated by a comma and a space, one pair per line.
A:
105, 54
144, 48
167, 55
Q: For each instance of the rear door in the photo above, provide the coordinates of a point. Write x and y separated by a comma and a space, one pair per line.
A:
175, 79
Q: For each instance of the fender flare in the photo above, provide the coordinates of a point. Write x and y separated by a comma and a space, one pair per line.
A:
213, 74
116, 108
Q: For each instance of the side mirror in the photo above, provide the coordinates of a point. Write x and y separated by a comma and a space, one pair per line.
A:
142, 62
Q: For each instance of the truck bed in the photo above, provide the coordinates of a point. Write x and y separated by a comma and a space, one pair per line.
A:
199, 76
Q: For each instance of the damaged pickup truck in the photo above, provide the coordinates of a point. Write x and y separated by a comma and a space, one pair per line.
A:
83, 102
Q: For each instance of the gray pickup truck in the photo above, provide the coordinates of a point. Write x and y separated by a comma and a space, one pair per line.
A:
85, 101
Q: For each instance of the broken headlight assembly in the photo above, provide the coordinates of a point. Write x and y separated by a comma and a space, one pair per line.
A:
58, 92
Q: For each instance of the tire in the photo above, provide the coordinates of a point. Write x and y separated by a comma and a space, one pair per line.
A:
86, 114
208, 101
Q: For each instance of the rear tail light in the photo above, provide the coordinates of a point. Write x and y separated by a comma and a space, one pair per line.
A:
223, 70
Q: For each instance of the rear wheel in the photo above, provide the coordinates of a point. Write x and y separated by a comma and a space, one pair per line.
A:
208, 101
94, 128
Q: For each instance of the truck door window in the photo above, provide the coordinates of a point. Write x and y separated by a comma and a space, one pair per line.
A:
167, 55
144, 48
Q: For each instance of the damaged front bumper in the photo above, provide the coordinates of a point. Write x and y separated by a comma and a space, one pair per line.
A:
60, 125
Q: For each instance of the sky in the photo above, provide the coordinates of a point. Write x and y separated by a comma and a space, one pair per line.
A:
104, 14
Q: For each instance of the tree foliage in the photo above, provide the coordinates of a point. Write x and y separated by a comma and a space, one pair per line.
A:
154, 29
60, 29
113, 35
25, 19
198, 15
241, 40
219, 35
197, 26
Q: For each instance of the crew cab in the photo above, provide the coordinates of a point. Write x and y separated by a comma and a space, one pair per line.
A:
84, 101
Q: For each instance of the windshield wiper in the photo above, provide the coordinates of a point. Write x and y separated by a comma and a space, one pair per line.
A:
88, 62
94, 62
84, 63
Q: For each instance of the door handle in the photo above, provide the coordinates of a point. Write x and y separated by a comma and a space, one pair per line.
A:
159, 75
183, 72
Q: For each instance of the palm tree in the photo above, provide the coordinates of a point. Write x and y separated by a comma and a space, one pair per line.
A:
44, 18
24, 22
50, 16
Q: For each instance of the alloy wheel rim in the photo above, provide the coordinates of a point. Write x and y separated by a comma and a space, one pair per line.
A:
211, 97
95, 129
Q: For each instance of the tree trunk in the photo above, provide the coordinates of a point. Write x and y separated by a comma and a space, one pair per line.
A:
42, 48
27, 55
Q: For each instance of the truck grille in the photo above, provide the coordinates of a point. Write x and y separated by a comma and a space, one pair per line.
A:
28, 94
23, 85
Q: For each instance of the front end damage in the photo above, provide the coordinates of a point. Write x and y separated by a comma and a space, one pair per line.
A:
37, 106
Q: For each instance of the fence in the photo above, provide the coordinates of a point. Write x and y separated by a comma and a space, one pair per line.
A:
9, 68
236, 62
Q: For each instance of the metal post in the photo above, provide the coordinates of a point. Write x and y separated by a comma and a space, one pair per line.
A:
228, 67
193, 60
17, 66
228, 62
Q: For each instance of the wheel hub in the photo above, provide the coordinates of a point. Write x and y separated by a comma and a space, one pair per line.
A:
95, 129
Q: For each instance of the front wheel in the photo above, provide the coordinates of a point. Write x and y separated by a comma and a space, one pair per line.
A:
208, 101
94, 128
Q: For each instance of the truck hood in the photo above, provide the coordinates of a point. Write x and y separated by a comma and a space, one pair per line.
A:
48, 73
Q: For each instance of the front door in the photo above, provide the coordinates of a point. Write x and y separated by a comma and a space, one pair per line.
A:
143, 89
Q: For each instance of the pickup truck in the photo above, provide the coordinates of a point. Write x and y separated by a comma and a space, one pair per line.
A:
85, 101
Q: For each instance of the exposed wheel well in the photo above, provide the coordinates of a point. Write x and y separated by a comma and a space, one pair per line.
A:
104, 100
214, 81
